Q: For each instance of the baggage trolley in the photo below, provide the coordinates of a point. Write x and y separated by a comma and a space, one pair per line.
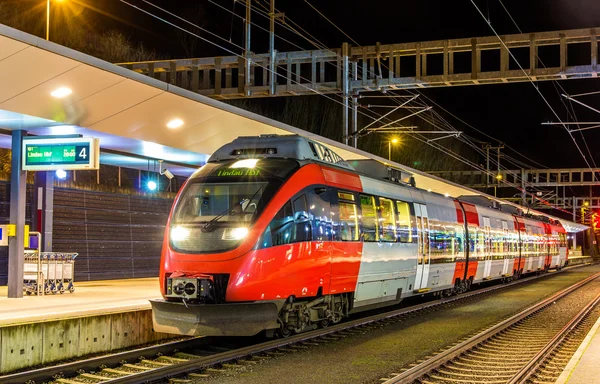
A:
48, 272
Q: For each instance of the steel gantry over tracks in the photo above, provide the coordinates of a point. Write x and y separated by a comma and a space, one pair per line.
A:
560, 177
381, 67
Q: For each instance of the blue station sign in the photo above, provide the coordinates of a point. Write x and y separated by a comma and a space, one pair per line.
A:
50, 154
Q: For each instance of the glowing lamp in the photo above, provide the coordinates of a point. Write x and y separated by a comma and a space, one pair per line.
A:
246, 163
61, 92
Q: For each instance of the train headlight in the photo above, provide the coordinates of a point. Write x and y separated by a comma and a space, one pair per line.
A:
235, 233
179, 233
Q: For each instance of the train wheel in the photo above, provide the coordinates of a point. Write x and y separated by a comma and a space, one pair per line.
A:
283, 331
324, 323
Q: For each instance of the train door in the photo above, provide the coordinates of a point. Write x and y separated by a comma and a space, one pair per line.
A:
423, 259
505, 249
487, 248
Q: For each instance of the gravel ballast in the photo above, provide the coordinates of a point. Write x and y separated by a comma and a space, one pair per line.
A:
367, 357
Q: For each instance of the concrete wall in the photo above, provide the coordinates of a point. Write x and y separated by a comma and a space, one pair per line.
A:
28, 345
117, 236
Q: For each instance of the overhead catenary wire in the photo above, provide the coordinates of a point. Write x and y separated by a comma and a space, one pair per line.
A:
570, 109
223, 48
196, 35
532, 83
226, 49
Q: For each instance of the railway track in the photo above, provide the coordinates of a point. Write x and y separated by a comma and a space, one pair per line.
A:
517, 350
189, 360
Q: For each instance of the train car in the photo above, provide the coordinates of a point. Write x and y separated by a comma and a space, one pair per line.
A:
280, 234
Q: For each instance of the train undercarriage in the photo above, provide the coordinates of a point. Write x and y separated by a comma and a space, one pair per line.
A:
303, 315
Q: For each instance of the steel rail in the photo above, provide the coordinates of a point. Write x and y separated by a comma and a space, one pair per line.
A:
39, 375
199, 364
91, 364
436, 361
528, 370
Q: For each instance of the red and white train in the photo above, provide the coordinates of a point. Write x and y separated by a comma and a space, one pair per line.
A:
278, 233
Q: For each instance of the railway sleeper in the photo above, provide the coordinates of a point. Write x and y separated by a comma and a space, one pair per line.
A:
470, 381
488, 366
470, 368
495, 374
494, 356
495, 349
479, 361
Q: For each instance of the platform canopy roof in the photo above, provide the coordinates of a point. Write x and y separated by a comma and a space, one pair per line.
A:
129, 111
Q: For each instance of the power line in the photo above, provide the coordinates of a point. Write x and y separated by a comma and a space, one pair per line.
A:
555, 83
533, 84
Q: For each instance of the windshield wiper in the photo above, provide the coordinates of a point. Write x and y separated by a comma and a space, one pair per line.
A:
208, 227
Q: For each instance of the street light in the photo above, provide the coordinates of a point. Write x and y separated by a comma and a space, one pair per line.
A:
390, 148
48, 18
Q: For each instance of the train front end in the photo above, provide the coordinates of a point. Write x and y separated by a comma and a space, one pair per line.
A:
211, 280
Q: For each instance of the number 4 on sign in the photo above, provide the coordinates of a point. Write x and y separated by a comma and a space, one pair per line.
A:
82, 153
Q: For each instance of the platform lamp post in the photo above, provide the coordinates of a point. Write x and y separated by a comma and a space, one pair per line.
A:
48, 18
395, 141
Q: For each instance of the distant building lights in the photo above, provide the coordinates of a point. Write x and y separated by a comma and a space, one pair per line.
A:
61, 92
175, 123
61, 174
151, 185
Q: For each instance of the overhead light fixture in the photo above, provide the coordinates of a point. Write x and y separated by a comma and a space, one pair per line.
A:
61, 174
246, 163
61, 92
175, 123
152, 185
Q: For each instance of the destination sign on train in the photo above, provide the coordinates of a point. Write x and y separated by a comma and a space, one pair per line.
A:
49, 154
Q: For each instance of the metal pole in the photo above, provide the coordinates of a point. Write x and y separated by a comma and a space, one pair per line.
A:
355, 120
247, 53
389, 150
523, 190
16, 254
48, 213
355, 105
345, 89
487, 167
273, 72
48, 20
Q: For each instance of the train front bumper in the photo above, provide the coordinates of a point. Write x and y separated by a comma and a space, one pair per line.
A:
235, 319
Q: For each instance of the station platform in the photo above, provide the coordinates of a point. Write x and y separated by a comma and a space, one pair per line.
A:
99, 317
89, 298
583, 368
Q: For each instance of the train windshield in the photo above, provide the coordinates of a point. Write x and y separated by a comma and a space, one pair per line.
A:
218, 206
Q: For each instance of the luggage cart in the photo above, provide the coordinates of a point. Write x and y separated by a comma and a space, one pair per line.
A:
48, 272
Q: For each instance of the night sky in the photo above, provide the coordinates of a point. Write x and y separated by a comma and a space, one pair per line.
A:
511, 113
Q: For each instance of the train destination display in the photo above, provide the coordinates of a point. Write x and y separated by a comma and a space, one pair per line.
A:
46, 154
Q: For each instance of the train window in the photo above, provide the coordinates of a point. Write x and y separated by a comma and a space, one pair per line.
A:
320, 209
473, 241
404, 222
302, 220
281, 229
348, 221
459, 241
346, 196
388, 220
369, 218
441, 238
